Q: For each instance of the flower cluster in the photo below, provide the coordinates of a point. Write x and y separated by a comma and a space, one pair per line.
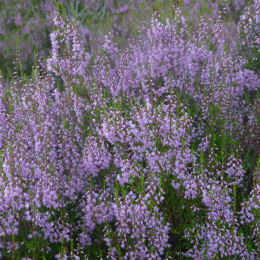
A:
249, 26
140, 231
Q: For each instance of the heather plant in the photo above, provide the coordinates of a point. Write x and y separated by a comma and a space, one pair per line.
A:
147, 151
249, 26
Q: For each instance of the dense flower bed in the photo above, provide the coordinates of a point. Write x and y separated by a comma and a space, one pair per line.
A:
145, 152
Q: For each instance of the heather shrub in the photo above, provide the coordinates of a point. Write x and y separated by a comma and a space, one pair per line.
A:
147, 151
249, 43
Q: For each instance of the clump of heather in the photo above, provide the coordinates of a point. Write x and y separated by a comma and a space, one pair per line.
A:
140, 231
143, 152
249, 26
